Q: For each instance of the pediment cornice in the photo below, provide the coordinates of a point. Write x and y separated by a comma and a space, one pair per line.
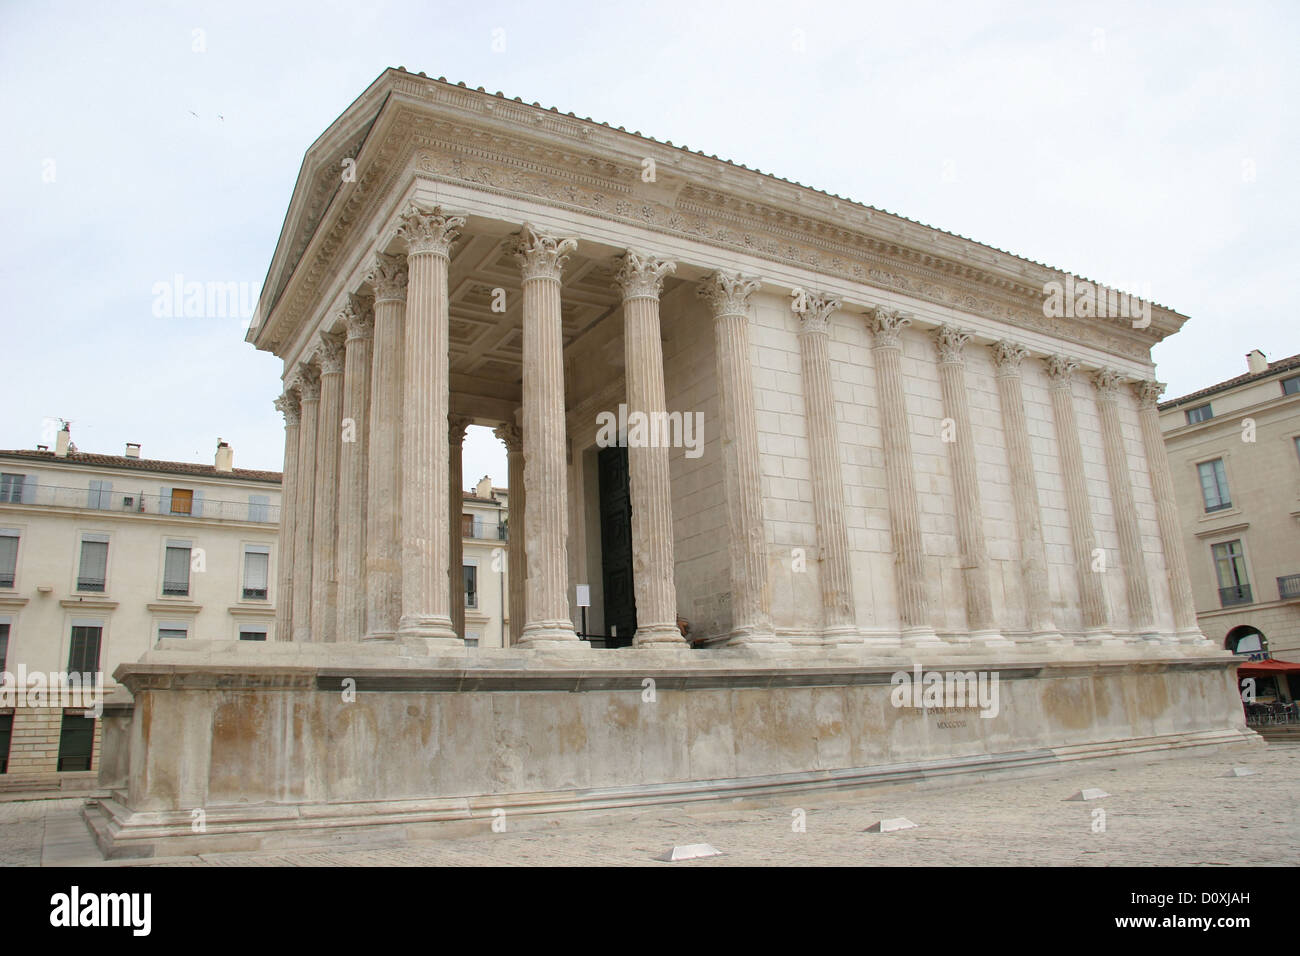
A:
511, 149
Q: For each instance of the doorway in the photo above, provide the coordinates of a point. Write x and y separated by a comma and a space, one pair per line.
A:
616, 547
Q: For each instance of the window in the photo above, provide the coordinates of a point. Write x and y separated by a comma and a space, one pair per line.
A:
83, 656
1297, 452
11, 487
76, 742
101, 494
6, 734
176, 569
182, 501
1230, 566
471, 586
1201, 413
1214, 485
171, 631
8, 556
257, 566
252, 632
94, 563
1291, 386
259, 508
467, 526
4, 645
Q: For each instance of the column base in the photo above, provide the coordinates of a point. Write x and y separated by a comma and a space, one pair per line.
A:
843, 635
546, 633
658, 635
753, 635
432, 628
1044, 636
1194, 637
919, 637
1101, 638
379, 636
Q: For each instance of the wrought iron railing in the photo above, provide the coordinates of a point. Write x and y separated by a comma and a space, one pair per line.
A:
1238, 594
138, 502
1288, 587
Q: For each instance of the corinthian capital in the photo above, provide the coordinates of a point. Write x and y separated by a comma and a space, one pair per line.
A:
642, 276
388, 276
288, 406
887, 326
1007, 356
1107, 381
330, 354
429, 230
728, 293
541, 256
306, 380
512, 435
814, 311
1060, 368
949, 342
359, 318
1147, 392
457, 425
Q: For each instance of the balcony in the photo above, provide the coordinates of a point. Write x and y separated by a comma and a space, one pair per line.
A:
480, 530
1288, 588
54, 496
1238, 594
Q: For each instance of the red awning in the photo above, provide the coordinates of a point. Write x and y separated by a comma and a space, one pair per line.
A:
1267, 668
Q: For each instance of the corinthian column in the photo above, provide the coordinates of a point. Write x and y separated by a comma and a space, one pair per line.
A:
426, 600
1187, 629
383, 564
541, 259
353, 463
839, 620
949, 343
640, 278
1136, 586
1096, 616
1024, 493
308, 384
513, 437
288, 405
751, 597
904, 514
456, 428
324, 609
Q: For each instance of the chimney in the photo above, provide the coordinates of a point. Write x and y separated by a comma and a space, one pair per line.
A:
484, 487
63, 441
1256, 362
225, 460
132, 449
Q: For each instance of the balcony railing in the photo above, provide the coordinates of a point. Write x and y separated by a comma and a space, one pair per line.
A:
1238, 594
1288, 587
481, 530
55, 496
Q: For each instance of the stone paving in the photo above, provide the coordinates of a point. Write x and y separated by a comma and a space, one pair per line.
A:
1179, 811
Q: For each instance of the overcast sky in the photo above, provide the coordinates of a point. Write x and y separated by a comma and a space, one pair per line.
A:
1149, 148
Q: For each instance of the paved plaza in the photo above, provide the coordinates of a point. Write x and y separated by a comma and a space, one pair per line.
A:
1180, 811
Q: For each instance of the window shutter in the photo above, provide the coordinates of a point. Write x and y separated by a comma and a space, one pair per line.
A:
164, 500
93, 575
176, 570
29, 489
256, 566
8, 557
196, 507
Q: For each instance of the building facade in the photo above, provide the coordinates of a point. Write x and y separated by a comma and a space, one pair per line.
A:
1234, 451
485, 539
101, 557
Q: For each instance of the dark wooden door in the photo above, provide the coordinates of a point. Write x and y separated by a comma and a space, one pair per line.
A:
616, 545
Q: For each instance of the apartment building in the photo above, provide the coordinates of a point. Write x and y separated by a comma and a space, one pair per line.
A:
1234, 449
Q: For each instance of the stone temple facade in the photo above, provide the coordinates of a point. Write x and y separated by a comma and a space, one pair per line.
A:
902, 461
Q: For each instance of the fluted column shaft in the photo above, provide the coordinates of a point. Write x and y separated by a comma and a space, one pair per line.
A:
839, 618
542, 259
513, 437
1096, 616
324, 607
751, 598
904, 511
383, 562
1171, 537
455, 530
304, 494
353, 465
949, 343
426, 598
1137, 587
641, 280
1007, 357
289, 406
